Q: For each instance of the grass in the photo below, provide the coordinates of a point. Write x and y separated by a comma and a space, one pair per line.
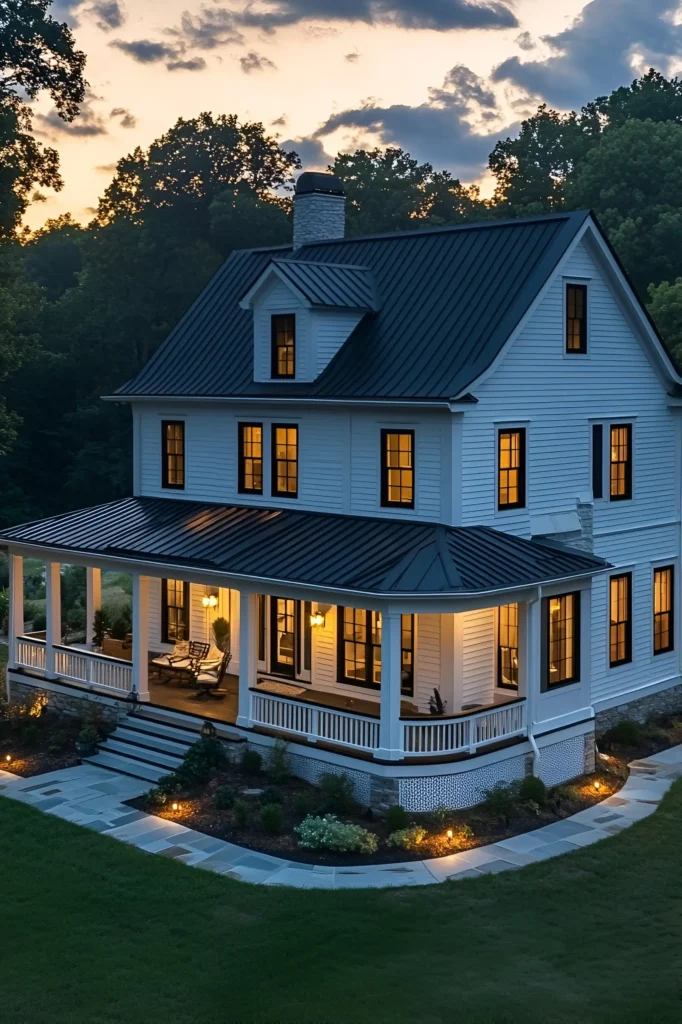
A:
94, 932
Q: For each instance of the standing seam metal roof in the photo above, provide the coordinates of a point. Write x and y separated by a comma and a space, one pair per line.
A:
329, 284
450, 299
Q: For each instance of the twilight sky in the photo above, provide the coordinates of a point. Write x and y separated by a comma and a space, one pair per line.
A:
444, 79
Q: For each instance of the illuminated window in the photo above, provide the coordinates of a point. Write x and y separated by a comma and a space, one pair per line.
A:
283, 327
360, 649
283, 627
664, 637
251, 458
508, 646
621, 462
511, 468
173, 458
620, 619
576, 318
174, 611
397, 468
561, 639
285, 460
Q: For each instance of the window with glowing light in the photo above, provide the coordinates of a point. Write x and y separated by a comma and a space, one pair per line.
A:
250, 458
621, 462
576, 318
664, 635
561, 639
511, 468
359, 633
285, 460
173, 454
283, 327
397, 468
508, 646
620, 619
174, 611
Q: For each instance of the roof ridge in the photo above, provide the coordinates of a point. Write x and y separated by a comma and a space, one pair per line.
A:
317, 263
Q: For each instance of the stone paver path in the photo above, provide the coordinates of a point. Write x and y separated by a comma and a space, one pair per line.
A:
93, 797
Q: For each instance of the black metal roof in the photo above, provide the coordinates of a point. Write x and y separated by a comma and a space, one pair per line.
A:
450, 299
361, 554
331, 284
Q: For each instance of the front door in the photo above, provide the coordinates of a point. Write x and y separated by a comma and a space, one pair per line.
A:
283, 636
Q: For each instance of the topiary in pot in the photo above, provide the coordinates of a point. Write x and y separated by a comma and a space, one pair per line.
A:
221, 634
86, 743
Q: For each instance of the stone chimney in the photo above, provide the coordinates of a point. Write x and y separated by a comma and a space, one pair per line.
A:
319, 208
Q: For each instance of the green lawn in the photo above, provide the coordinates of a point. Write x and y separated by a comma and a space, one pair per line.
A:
94, 931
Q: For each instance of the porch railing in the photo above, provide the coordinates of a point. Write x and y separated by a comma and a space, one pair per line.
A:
465, 733
315, 723
30, 652
77, 666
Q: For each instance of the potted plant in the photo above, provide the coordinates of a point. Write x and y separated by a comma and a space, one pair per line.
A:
98, 627
87, 740
221, 634
437, 706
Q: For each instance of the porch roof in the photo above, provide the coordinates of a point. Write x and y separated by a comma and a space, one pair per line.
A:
358, 554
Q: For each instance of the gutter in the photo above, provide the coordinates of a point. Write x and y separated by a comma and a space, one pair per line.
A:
419, 403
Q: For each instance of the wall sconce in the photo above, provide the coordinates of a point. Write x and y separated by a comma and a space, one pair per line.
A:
318, 618
209, 600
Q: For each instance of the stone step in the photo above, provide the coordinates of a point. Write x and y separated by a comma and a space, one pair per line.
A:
150, 738
127, 766
138, 753
176, 725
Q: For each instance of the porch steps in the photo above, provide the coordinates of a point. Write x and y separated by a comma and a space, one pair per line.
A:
135, 750
127, 766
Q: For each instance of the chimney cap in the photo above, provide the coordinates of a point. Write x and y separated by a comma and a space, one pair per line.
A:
318, 181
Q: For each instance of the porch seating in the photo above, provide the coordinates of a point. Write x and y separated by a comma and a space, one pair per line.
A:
186, 658
208, 681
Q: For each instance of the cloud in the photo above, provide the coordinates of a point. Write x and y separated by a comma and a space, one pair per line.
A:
144, 51
127, 120
110, 14
353, 58
311, 151
439, 130
280, 121
61, 11
192, 64
525, 41
255, 62
86, 124
215, 26
594, 55
106, 168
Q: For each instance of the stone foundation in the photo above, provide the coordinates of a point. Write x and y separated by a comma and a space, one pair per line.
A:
667, 702
67, 703
590, 753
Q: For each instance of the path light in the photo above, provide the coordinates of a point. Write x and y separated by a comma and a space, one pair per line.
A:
175, 805
449, 834
8, 758
597, 785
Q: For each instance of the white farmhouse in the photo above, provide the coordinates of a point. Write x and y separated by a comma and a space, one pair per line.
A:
432, 481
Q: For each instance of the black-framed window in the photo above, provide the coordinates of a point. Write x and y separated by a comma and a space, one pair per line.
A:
620, 619
283, 352
397, 468
285, 460
508, 646
511, 468
621, 462
250, 458
664, 609
174, 611
597, 460
576, 319
359, 636
173, 454
561, 640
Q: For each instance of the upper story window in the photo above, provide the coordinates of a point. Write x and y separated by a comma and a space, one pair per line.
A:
359, 634
173, 454
621, 462
174, 611
576, 318
250, 458
620, 616
561, 663
397, 468
284, 460
508, 646
511, 468
283, 333
664, 636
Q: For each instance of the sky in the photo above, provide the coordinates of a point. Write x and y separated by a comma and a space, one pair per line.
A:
443, 79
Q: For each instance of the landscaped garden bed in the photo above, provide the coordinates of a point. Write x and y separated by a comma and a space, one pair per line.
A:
257, 804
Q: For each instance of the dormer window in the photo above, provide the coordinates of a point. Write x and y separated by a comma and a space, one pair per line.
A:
283, 333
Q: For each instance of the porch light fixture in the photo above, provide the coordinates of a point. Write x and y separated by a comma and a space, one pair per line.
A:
318, 618
209, 600
208, 731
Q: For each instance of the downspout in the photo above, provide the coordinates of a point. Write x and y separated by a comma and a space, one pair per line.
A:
531, 680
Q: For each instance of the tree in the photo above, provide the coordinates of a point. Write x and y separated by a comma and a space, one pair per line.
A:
53, 255
665, 306
242, 221
24, 163
633, 181
184, 171
20, 303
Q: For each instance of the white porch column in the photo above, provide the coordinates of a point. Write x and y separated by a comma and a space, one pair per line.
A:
141, 636
248, 655
390, 736
533, 662
93, 598
53, 615
15, 625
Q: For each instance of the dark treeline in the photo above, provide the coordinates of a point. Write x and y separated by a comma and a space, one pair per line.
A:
82, 308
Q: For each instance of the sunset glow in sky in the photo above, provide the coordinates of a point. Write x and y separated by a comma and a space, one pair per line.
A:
444, 79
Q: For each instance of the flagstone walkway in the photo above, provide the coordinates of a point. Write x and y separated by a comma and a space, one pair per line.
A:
93, 797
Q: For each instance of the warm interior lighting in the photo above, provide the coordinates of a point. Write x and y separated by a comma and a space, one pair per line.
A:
317, 618
209, 600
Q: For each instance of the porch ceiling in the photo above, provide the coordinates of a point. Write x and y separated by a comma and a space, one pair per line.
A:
364, 555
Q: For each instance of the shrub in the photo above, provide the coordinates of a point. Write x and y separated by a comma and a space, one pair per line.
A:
337, 794
252, 762
407, 838
328, 833
304, 804
271, 818
278, 762
168, 784
202, 759
223, 798
240, 814
397, 819
439, 816
533, 789
627, 733
121, 625
156, 796
88, 735
271, 795
95, 717
501, 799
